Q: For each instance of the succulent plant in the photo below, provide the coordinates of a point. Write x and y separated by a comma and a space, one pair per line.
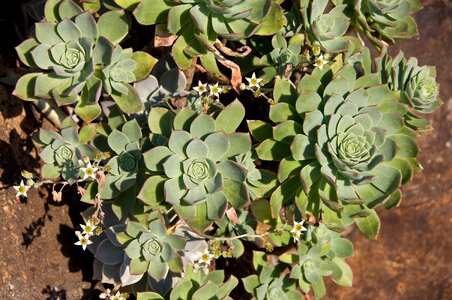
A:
153, 250
324, 255
417, 85
270, 282
65, 48
64, 154
81, 58
165, 83
286, 54
231, 19
386, 20
328, 29
195, 162
111, 264
345, 142
198, 286
123, 166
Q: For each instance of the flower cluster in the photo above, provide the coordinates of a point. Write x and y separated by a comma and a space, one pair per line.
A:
89, 229
205, 258
209, 93
118, 296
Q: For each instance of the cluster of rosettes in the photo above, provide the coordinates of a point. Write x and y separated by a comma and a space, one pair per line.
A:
82, 58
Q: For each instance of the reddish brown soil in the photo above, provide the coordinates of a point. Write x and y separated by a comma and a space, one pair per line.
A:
412, 258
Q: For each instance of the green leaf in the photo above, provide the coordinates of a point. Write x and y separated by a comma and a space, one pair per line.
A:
114, 25
281, 112
251, 283
46, 82
150, 12
145, 63
24, 49
25, 87
284, 194
236, 193
284, 91
159, 269
160, 121
87, 133
148, 295
342, 247
273, 21
51, 10
370, 225
127, 4
207, 291
90, 192
88, 107
202, 125
67, 10
130, 102
342, 273
230, 118
50, 171
118, 141
260, 130
272, 150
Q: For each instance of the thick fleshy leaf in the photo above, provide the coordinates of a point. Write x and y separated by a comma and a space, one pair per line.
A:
370, 225
152, 193
114, 25
160, 121
216, 205
218, 144
145, 63
118, 141
202, 125
25, 87
236, 193
260, 130
272, 150
130, 102
197, 149
230, 117
150, 12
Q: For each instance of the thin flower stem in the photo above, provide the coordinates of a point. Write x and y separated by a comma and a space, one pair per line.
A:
215, 238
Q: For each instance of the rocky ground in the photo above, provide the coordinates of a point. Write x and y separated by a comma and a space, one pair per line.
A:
412, 258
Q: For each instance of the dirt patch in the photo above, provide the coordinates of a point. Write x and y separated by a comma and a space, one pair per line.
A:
411, 260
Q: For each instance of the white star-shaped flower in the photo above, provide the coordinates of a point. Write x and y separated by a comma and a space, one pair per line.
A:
214, 90
297, 230
206, 258
320, 62
105, 294
201, 88
88, 229
83, 240
253, 81
89, 171
21, 189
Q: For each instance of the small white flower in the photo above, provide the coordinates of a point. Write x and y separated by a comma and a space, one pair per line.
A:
89, 172
206, 258
88, 229
253, 81
201, 88
297, 230
105, 294
320, 62
21, 189
214, 90
83, 240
